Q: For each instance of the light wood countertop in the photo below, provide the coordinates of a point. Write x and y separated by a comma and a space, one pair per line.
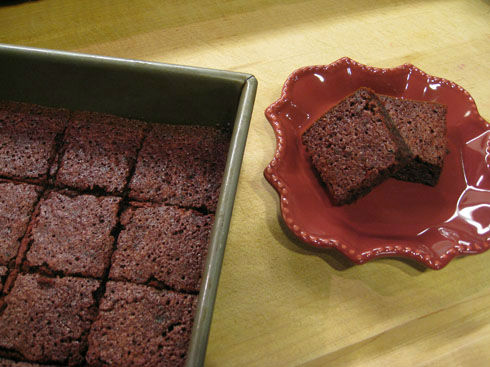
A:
279, 303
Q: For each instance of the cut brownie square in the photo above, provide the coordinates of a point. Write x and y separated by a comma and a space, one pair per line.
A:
72, 234
47, 319
99, 152
17, 202
422, 125
141, 326
162, 243
28, 139
181, 165
354, 147
10, 363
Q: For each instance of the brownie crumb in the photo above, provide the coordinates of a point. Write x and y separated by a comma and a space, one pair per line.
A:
72, 235
17, 202
181, 165
141, 326
164, 243
47, 320
99, 152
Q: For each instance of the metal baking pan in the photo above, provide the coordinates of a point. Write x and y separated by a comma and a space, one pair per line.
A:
152, 92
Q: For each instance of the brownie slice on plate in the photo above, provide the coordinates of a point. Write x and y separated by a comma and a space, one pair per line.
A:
422, 125
28, 138
47, 320
72, 234
162, 243
181, 165
17, 202
141, 326
354, 147
99, 152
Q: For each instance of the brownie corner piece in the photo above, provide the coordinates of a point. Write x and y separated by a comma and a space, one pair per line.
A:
353, 147
99, 152
140, 325
47, 320
181, 165
72, 234
422, 125
29, 135
17, 201
162, 243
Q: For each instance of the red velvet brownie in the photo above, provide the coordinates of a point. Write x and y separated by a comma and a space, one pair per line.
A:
354, 147
28, 139
17, 202
181, 165
162, 243
72, 234
141, 326
99, 152
10, 363
47, 320
422, 125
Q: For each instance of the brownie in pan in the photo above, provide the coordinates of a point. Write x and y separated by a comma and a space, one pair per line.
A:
163, 244
101, 262
17, 201
181, 165
98, 152
47, 320
29, 135
71, 234
138, 325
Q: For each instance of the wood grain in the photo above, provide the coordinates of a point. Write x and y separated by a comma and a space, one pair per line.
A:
280, 303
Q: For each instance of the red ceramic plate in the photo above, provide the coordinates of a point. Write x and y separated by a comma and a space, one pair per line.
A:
429, 224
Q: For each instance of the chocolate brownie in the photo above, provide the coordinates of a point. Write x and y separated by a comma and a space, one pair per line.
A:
422, 125
17, 202
141, 326
3, 275
47, 320
28, 139
99, 152
72, 234
9, 363
162, 243
354, 147
56, 113
181, 165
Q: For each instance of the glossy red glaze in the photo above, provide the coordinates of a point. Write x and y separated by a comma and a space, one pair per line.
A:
428, 224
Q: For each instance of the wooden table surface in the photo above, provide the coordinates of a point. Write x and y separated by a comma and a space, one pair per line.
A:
279, 303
